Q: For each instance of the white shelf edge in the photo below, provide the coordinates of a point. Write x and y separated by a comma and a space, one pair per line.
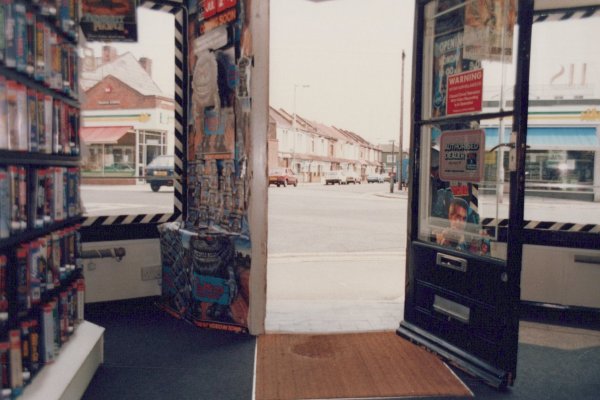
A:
70, 374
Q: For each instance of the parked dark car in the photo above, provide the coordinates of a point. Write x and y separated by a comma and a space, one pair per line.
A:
282, 176
160, 172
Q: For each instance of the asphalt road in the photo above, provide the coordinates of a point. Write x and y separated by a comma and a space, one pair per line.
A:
314, 218
304, 219
127, 199
317, 218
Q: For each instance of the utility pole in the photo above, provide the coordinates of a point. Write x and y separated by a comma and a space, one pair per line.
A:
400, 150
393, 163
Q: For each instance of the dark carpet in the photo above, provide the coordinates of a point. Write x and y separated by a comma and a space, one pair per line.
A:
545, 373
149, 354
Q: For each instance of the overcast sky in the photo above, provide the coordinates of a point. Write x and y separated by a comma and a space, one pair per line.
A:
156, 33
349, 52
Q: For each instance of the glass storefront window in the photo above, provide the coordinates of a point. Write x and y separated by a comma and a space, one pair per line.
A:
465, 185
128, 119
563, 136
469, 61
559, 170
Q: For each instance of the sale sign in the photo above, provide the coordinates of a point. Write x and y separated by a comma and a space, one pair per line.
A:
464, 92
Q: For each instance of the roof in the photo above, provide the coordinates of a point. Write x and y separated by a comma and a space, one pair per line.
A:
329, 131
126, 69
279, 118
104, 134
283, 118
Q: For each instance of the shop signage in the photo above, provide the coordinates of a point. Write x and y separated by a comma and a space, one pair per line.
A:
109, 20
213, 7
221, 19
464, 92
591, 114
462, 155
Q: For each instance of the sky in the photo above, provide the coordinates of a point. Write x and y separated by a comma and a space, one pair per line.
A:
156, 44
350, 54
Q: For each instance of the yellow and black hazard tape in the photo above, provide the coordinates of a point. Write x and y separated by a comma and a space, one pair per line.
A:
176, 8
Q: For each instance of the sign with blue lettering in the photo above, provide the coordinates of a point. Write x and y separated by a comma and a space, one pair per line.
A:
210, 289
462, 155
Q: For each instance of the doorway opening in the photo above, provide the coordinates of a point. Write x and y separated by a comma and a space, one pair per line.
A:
336, 241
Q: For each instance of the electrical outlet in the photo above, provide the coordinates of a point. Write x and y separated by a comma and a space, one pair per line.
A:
151, 273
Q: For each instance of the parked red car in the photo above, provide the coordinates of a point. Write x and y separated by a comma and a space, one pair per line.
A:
282, 176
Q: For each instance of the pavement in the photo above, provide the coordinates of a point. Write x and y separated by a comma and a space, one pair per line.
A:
335, 292
355, 292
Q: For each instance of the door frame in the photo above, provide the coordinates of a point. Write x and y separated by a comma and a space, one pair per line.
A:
491, 374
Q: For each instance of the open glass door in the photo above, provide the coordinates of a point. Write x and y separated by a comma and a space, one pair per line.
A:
463, 270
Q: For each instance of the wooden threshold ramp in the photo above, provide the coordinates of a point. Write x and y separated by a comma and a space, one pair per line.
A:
355, 365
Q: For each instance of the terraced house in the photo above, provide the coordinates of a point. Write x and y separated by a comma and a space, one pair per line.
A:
311, 148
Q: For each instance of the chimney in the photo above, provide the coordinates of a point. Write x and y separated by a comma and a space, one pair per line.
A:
89, 61
146, 63
109, 53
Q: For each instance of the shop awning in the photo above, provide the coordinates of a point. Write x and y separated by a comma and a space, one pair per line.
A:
551, 138
104, 134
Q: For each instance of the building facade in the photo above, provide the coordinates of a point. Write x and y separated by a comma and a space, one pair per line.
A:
310, 148
126, 119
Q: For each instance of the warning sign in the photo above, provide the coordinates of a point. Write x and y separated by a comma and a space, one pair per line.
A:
464, 92
462, 155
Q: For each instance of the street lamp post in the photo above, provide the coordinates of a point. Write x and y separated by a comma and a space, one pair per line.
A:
393, 163
400, 149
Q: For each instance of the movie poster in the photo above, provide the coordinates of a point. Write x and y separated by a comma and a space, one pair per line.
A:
109, 20
489, 26
206, 258
448, 55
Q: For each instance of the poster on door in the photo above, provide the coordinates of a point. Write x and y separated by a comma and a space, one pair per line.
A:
462, 155
488, 32
464, 92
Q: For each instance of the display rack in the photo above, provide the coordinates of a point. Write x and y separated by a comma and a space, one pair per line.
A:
41, 282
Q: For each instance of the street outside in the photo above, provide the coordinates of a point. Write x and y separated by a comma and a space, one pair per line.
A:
308, 219
336, 254
335, 218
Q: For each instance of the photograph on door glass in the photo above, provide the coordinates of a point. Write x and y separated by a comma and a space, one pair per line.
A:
456, 170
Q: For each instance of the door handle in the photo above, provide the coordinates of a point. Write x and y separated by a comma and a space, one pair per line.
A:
510, 145
447, 261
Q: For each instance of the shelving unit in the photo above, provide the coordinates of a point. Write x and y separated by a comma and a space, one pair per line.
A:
70, 375
44, 342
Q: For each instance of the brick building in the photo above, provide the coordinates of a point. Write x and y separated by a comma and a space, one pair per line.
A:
126, 119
